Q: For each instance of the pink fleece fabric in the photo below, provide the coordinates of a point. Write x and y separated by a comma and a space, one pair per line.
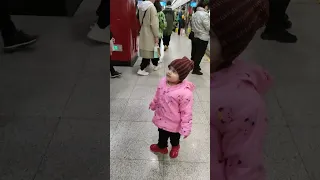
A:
172, 106
238, 122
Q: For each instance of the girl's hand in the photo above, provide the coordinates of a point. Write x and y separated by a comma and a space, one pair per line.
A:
152, 106
185, 137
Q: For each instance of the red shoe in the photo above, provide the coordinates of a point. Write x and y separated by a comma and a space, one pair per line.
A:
174, 151
155, 148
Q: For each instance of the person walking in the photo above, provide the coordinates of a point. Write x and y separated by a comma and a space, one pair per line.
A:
149, 35
170, 19
200, 27
278, 23
162, 25
180, 21
114, 73
13, 39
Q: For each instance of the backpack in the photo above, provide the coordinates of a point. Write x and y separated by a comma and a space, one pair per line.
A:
170, 21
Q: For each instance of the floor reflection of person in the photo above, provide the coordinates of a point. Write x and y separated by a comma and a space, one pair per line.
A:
239, 120
13, 39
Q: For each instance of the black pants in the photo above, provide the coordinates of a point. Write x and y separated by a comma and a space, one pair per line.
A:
179, 27
199, 49
159, 42
112, 70
193, 48
145, 62
166, 40
7, 27
277, 15
165, 135
103, 13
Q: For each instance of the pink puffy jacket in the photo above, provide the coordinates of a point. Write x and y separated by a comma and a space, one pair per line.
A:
172, 106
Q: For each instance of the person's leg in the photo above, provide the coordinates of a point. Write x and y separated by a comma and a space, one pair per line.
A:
7, 27
143, 65
12, 38
100, 31
155, 62
201, 47
163, 138
276, 26
162, 142
175, 142
113, 72
179, 28
104, 14
159, 42
193, 49
165, 42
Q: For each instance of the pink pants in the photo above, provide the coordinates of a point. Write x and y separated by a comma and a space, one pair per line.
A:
237, 150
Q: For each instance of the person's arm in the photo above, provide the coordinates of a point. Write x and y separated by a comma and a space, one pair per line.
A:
185, 108
154, 22
206, 22
153, 103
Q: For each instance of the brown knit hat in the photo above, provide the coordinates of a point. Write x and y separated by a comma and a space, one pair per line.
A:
182, 66
235, 23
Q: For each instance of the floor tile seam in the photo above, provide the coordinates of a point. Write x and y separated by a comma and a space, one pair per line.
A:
291, 134
79, 77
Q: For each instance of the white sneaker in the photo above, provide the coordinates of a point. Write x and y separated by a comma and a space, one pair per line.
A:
143, 72
160, 61
156, 68
100, 35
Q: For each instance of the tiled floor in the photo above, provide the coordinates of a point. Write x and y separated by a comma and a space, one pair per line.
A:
53, 127
132, 131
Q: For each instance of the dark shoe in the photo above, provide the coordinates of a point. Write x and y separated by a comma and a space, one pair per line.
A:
280, 36
197, 72
287, 24
115, 74
19, 40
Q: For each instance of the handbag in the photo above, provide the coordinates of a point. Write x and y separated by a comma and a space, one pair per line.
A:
156, 52
191, 35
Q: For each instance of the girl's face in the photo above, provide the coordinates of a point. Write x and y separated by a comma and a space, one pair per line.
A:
172, 76
215, 55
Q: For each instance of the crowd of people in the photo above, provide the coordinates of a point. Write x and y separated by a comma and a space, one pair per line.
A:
157, 24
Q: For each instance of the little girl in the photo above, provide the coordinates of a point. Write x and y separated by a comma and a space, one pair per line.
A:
172, 106
237, 110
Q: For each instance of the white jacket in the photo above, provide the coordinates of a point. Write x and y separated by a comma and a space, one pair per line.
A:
200, 24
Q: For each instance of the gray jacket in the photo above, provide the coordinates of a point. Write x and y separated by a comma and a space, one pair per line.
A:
200, 24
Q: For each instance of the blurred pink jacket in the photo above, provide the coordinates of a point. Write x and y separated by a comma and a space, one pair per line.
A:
238, 122
173, 107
